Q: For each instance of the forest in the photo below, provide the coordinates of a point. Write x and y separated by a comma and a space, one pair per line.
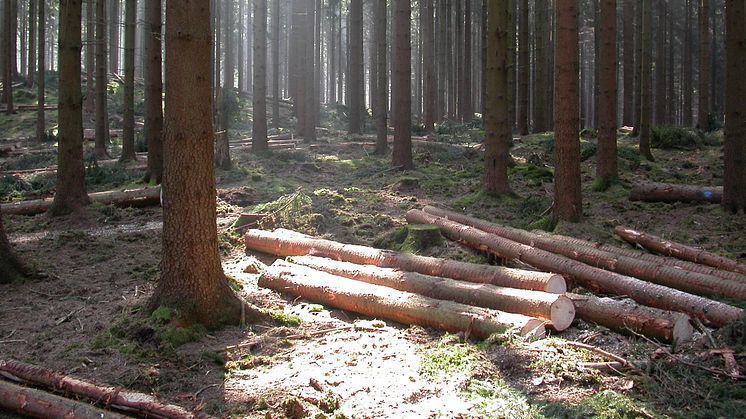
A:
373, 208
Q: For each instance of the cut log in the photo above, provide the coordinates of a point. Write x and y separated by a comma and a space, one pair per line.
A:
133, 197
555, 308
626, 316
138, 165
283, 243
695, 283
678, 250
665, 192
34, 403
141, 404
595, 279
402, 307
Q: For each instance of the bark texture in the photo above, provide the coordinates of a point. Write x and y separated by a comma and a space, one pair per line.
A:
355, 76
734, 180
259, 102
128, 125
102, 113
402, 88
666, 192
382, 144
646, 97
705, 66
606, 169
153, 61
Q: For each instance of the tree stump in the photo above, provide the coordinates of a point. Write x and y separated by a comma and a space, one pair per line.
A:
421, 237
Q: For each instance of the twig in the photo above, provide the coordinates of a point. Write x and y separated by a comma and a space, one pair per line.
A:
603, 353
10, 335
205, 388
12, 341
701, 327
66, 318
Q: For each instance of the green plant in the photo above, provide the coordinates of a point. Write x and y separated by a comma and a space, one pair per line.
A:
668, 137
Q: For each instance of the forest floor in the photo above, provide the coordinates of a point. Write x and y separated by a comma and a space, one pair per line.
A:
85, 317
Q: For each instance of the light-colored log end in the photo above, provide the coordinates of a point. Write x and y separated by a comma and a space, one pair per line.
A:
562, 313
683, 331
534, 329
556, 285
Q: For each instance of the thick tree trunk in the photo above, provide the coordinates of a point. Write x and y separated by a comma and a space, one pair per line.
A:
102, 113
128, 125
259, 123
402, 88
705, 63
568, 201
524, 69
606, 168
734, 179
627, 316
41, 74
355, 77
555, 308
113, 397
678, 250
646, 116
70, 192
154, 91
628, 49
430, 82
664, 192
403, 307
382, 129
706, 285
135, 197
285, 243
595, 279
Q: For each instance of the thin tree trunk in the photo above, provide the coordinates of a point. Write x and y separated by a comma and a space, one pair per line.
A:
259, 125
429, 67
467, 109
113, 36
383, 82
459, 58
402, 88
31, 56
89, 104
223, 155
645, 80
524, 68
276, 96
734, 179
354, 80
241, 61
8, 54
629, 62
705, 73
660, 64
311, 105
540, 63
686, 86
153, 130
606, 168
102, 113
128, 125
638, 69
41, 125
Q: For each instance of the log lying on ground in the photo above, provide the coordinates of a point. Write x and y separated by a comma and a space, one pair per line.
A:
678, 250
684, 280
34, 403
280, 146
594, 279
626, 315
141, 404
284, 243
133, 197
666, 192
386, 303
140, 164
555, 308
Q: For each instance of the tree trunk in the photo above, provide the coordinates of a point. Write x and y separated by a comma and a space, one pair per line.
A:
678, 250
430, 82
311, 105
664, 192
638, 68
240, 60
113, 36
660, 64
465, 101
128, 125
402, 88
355, 77
556, 308
41, 73
89, 104
594, 279
113, 397
286, 243
706, 285
11, 268
568, 202
458, 17
135, 197
628, 49
259, 125
31, 57
524, 69
540, 63
39, 404
192, 279
734, 179
606, 168
380, 26
154, 91
403, 307
276, 96
686, 84
645, 80
625, 315
9, 56
223, 154
705, 73
102, 113
497, 106
70, 192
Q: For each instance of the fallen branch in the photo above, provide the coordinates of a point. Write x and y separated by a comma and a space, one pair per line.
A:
284, 243
386, 303
678, 250
556, 308
603, 353
39, 404
663, 192
594, 279
706, 285
134, 197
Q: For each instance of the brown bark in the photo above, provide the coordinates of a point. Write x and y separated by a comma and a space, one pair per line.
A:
686, 83
541, 21
113, 397
524, 69
259, 104
661, 46
114, 23
90, 58
497, 106
606, 168
678, 250
568, 202
628, 49
41, 73
286, 243
734, 179
102, 113
355, 76
153, 91
8, 56
11, 268
706, 285
135, 197
403, 307
664, 192
311, 105
555, 308
430, 82
34, 403
70, 192
382, 145
627, 316
638, 69
128, 125
705, 62
594, 279
32, 33
402, 88
276, 95
645, 80
465, 99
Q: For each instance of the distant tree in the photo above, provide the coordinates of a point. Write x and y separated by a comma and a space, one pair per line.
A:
90, 57
276, 63
645, 80
606, 168
430, 82
153, 129
32, 32
114, 23
497, 104
524, 69
686, 111
309, 75
128, 124
8, 56
402, 88
567, 195
70, 192
705, 62
638, 70
41, 73
192, 280
467, 111
102, 113
628, 48
541, 73
225, 101
661, 46
354, 81
259, 123
11, 268
734, 196
382, 144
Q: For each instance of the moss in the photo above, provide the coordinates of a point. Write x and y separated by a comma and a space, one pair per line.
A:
421, 237
603, 184
607, 404
668, 137
283, 319
546, 223
177, 336
532, 174
498, 400
447, 358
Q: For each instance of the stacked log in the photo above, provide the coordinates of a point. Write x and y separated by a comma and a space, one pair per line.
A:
665, 192
34, 403
133, 197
